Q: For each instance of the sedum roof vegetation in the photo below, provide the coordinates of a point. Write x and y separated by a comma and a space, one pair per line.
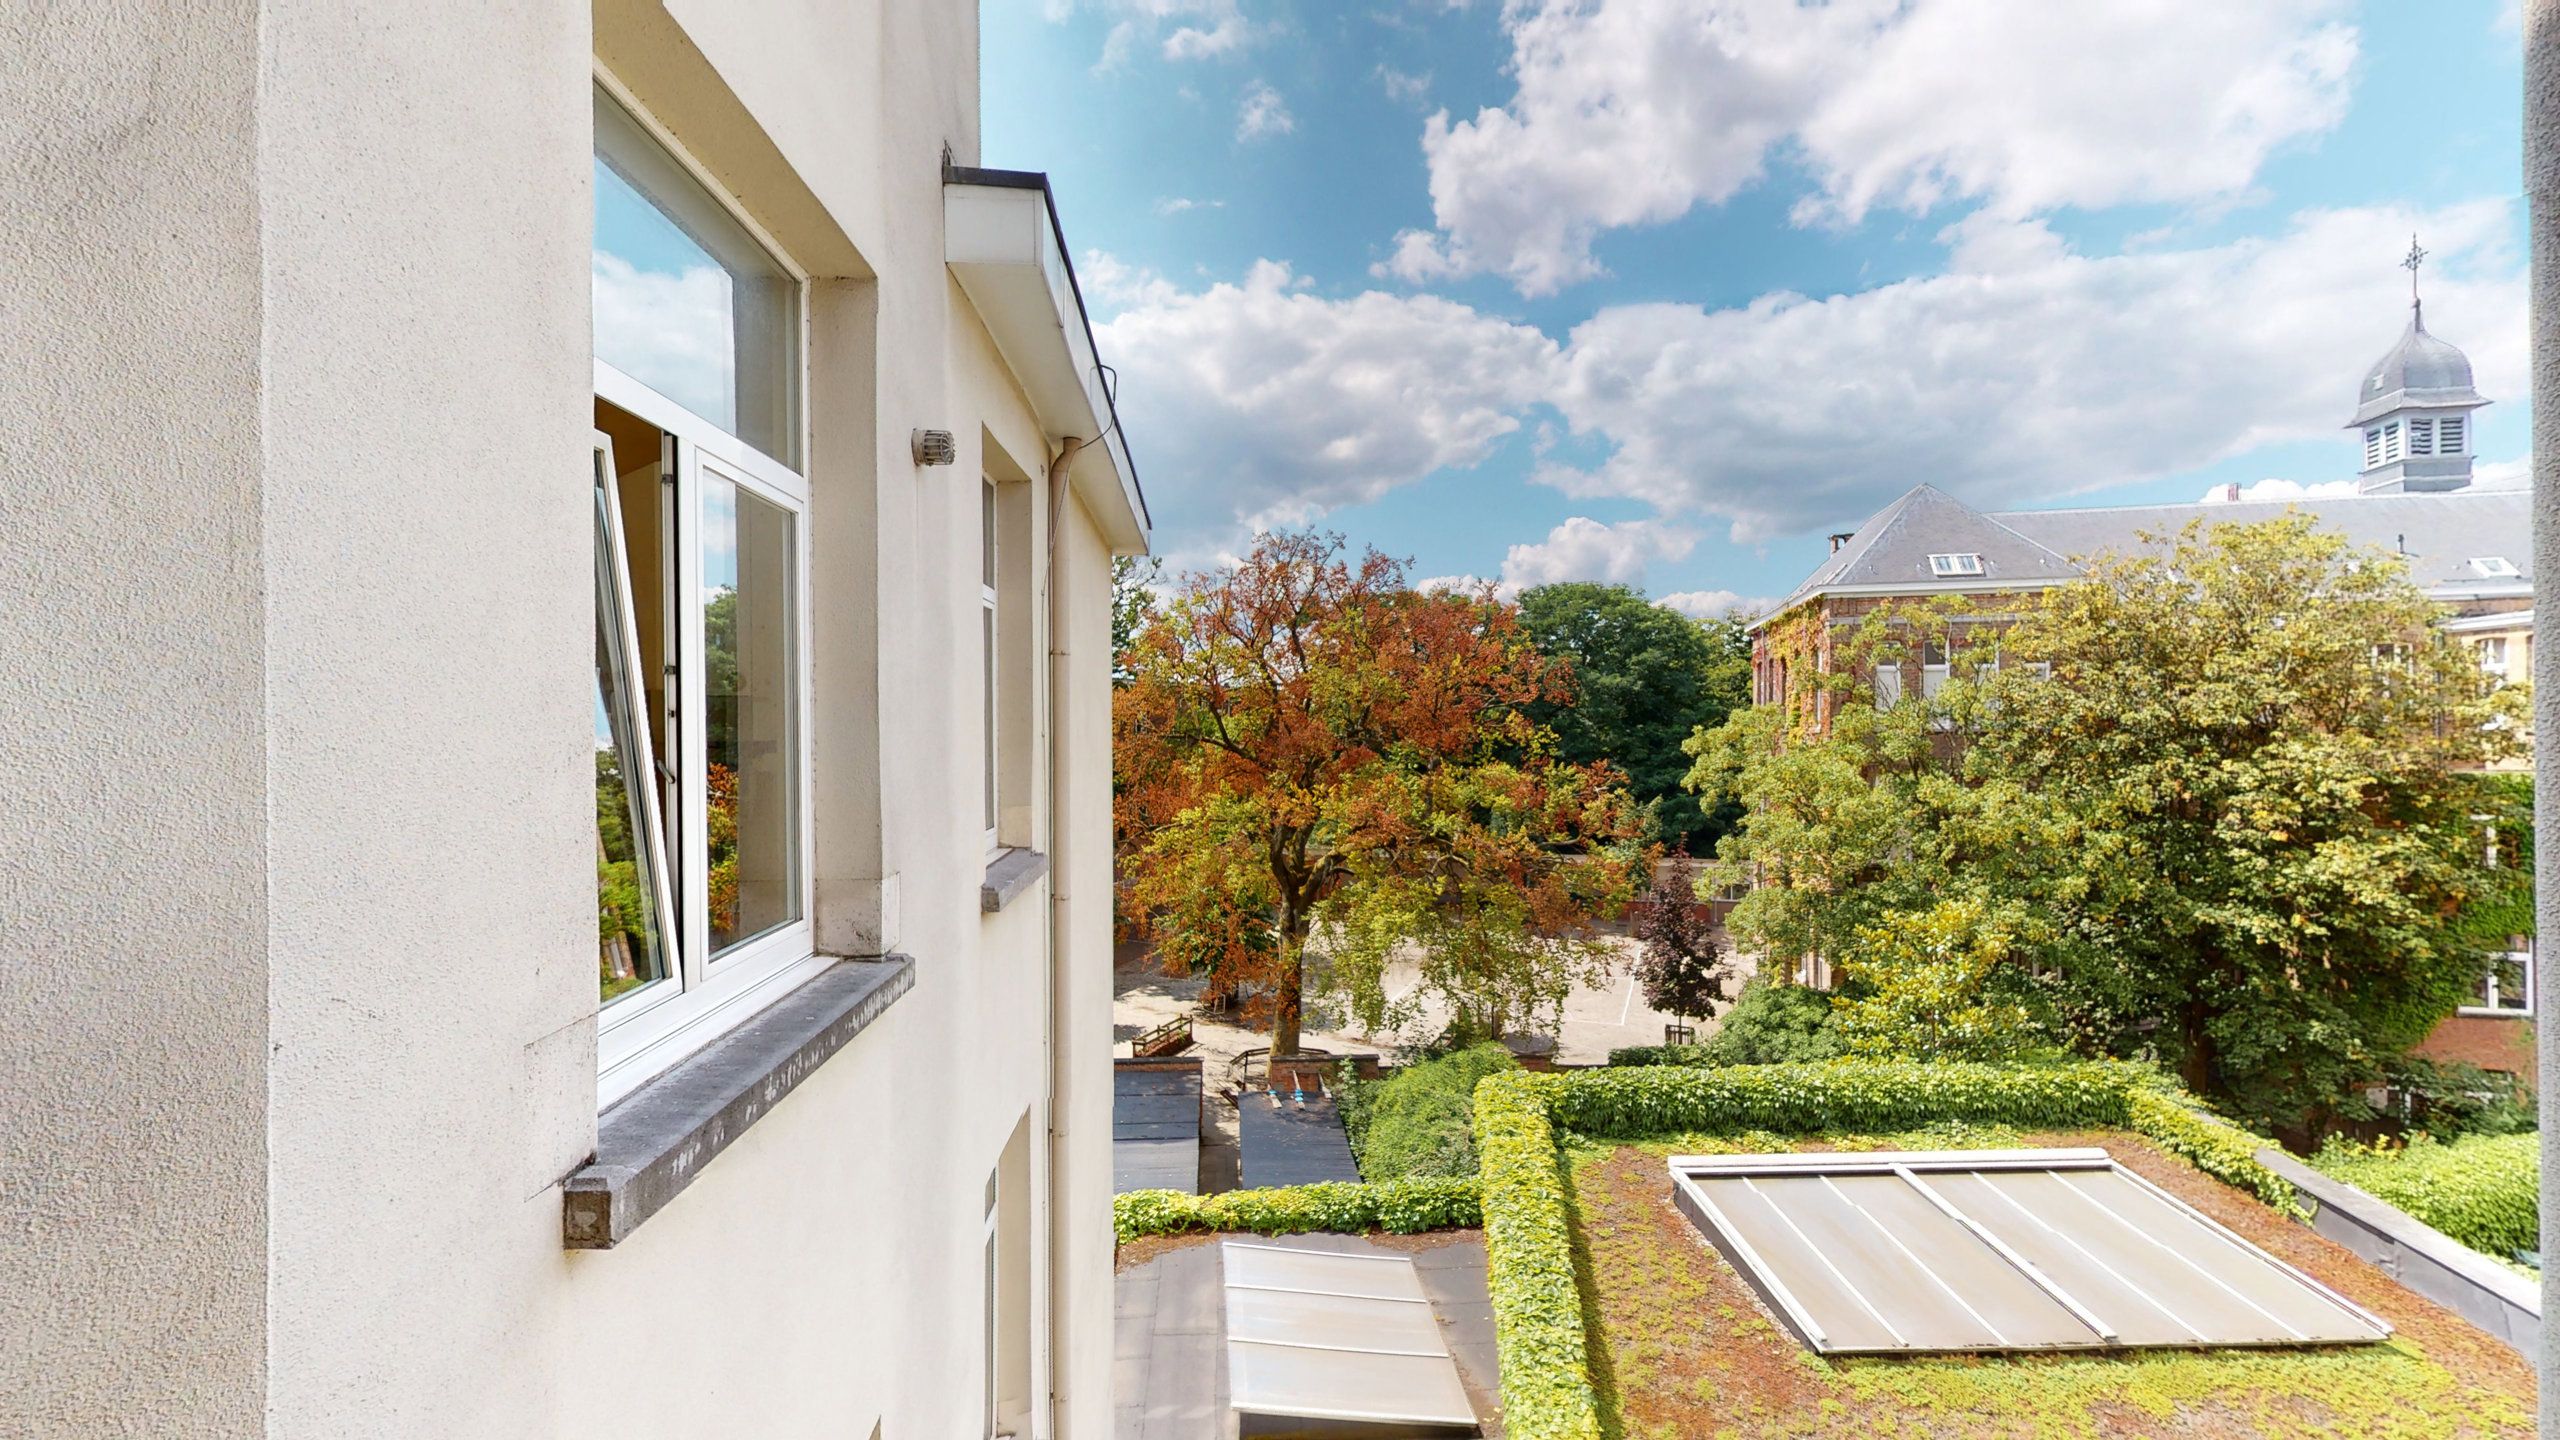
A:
1680, 1347
1615, 1319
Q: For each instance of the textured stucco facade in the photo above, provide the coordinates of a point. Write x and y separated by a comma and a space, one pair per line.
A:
296, 919
2542, 193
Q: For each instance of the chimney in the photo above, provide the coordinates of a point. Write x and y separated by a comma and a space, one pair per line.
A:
2231, 494
1840, 539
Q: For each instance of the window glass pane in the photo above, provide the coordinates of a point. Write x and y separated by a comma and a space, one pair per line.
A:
987, 652
686, 301
750, 712
633, 947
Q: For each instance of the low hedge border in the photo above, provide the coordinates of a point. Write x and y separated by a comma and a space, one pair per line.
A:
1400, 1207
1539, 1328
2484, 1191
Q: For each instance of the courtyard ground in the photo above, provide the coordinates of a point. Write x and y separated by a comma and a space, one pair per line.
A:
1597, 1019
1683, 1350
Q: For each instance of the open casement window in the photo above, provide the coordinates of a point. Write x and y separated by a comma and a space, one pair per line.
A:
634, 950
703, 546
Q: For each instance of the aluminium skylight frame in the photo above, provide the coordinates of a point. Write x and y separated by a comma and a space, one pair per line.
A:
1939, 1263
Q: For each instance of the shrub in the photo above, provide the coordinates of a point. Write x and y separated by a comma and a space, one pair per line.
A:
2484, 1191
1537, 1309
1418, 1122
1402, 1207
1770, 1024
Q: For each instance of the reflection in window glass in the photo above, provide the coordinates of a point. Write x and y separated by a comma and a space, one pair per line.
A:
630, 853
750, 713
686, 301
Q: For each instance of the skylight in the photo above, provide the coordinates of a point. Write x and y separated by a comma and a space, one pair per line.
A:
1967, 564
1318, 1335
2494, 566
1902, 1252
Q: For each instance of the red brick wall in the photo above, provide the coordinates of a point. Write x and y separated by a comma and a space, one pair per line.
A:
2492, 1042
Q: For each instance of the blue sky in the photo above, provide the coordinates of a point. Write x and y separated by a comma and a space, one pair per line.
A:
1662, 291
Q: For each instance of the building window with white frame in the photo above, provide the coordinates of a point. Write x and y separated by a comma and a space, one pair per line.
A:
2493, 656
702, 608
990, 752
2506, 985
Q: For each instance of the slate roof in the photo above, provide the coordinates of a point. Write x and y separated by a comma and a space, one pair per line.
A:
2420, 371
2441, 533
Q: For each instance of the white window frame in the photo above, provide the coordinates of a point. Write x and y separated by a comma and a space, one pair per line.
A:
646, 1030
1965, 563
991, 663
2493, 655
2488, 991
2494, 567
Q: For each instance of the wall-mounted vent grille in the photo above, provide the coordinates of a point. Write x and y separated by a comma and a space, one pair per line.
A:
2422, 437
2372, 446
2449, 435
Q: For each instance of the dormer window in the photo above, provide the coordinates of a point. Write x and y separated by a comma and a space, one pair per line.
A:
2422, 437
2494, 567
1955, 564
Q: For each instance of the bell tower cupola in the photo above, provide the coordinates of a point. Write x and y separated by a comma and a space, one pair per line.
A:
2414, 413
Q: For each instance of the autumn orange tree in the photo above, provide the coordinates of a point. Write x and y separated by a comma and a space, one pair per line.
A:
1305, 745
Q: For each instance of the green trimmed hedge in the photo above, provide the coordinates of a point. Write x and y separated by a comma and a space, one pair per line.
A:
1537, 1310
1539, 1327
2484, 1191
1419, 1121
1402, 1207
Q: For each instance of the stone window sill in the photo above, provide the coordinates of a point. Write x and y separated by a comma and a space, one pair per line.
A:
1009, 873
653, 1143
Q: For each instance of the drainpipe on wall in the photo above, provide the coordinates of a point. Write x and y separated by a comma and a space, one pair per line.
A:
2542, 192
1051, 1003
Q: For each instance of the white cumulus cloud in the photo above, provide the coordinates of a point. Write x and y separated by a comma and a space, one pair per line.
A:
1585, 549
2059, 373
1263, 403
1262, 112
1717, 604
1631, 112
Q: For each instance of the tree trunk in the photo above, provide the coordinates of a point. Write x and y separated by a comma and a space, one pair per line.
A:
1287, 995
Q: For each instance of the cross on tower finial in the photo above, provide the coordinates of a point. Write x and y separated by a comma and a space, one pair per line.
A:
2415, 258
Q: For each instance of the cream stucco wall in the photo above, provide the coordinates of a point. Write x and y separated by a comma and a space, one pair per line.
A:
133, 919
297, 925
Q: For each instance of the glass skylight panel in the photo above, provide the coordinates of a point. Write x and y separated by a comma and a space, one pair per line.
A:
1996, 1250
1325, 1335
2494, 566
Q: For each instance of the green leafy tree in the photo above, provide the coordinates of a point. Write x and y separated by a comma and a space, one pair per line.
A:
1134, 579
1928, 985
1644, 678
2214, 791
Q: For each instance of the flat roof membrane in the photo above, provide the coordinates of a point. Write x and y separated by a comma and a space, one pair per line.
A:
1904, 1252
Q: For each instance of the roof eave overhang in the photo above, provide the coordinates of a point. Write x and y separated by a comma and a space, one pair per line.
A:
1918, 590
1002, 242
2416, 400
2493, 622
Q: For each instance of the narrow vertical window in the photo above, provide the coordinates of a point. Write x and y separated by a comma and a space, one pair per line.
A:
2372, 446
2391, 441
987, 645
750, 712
